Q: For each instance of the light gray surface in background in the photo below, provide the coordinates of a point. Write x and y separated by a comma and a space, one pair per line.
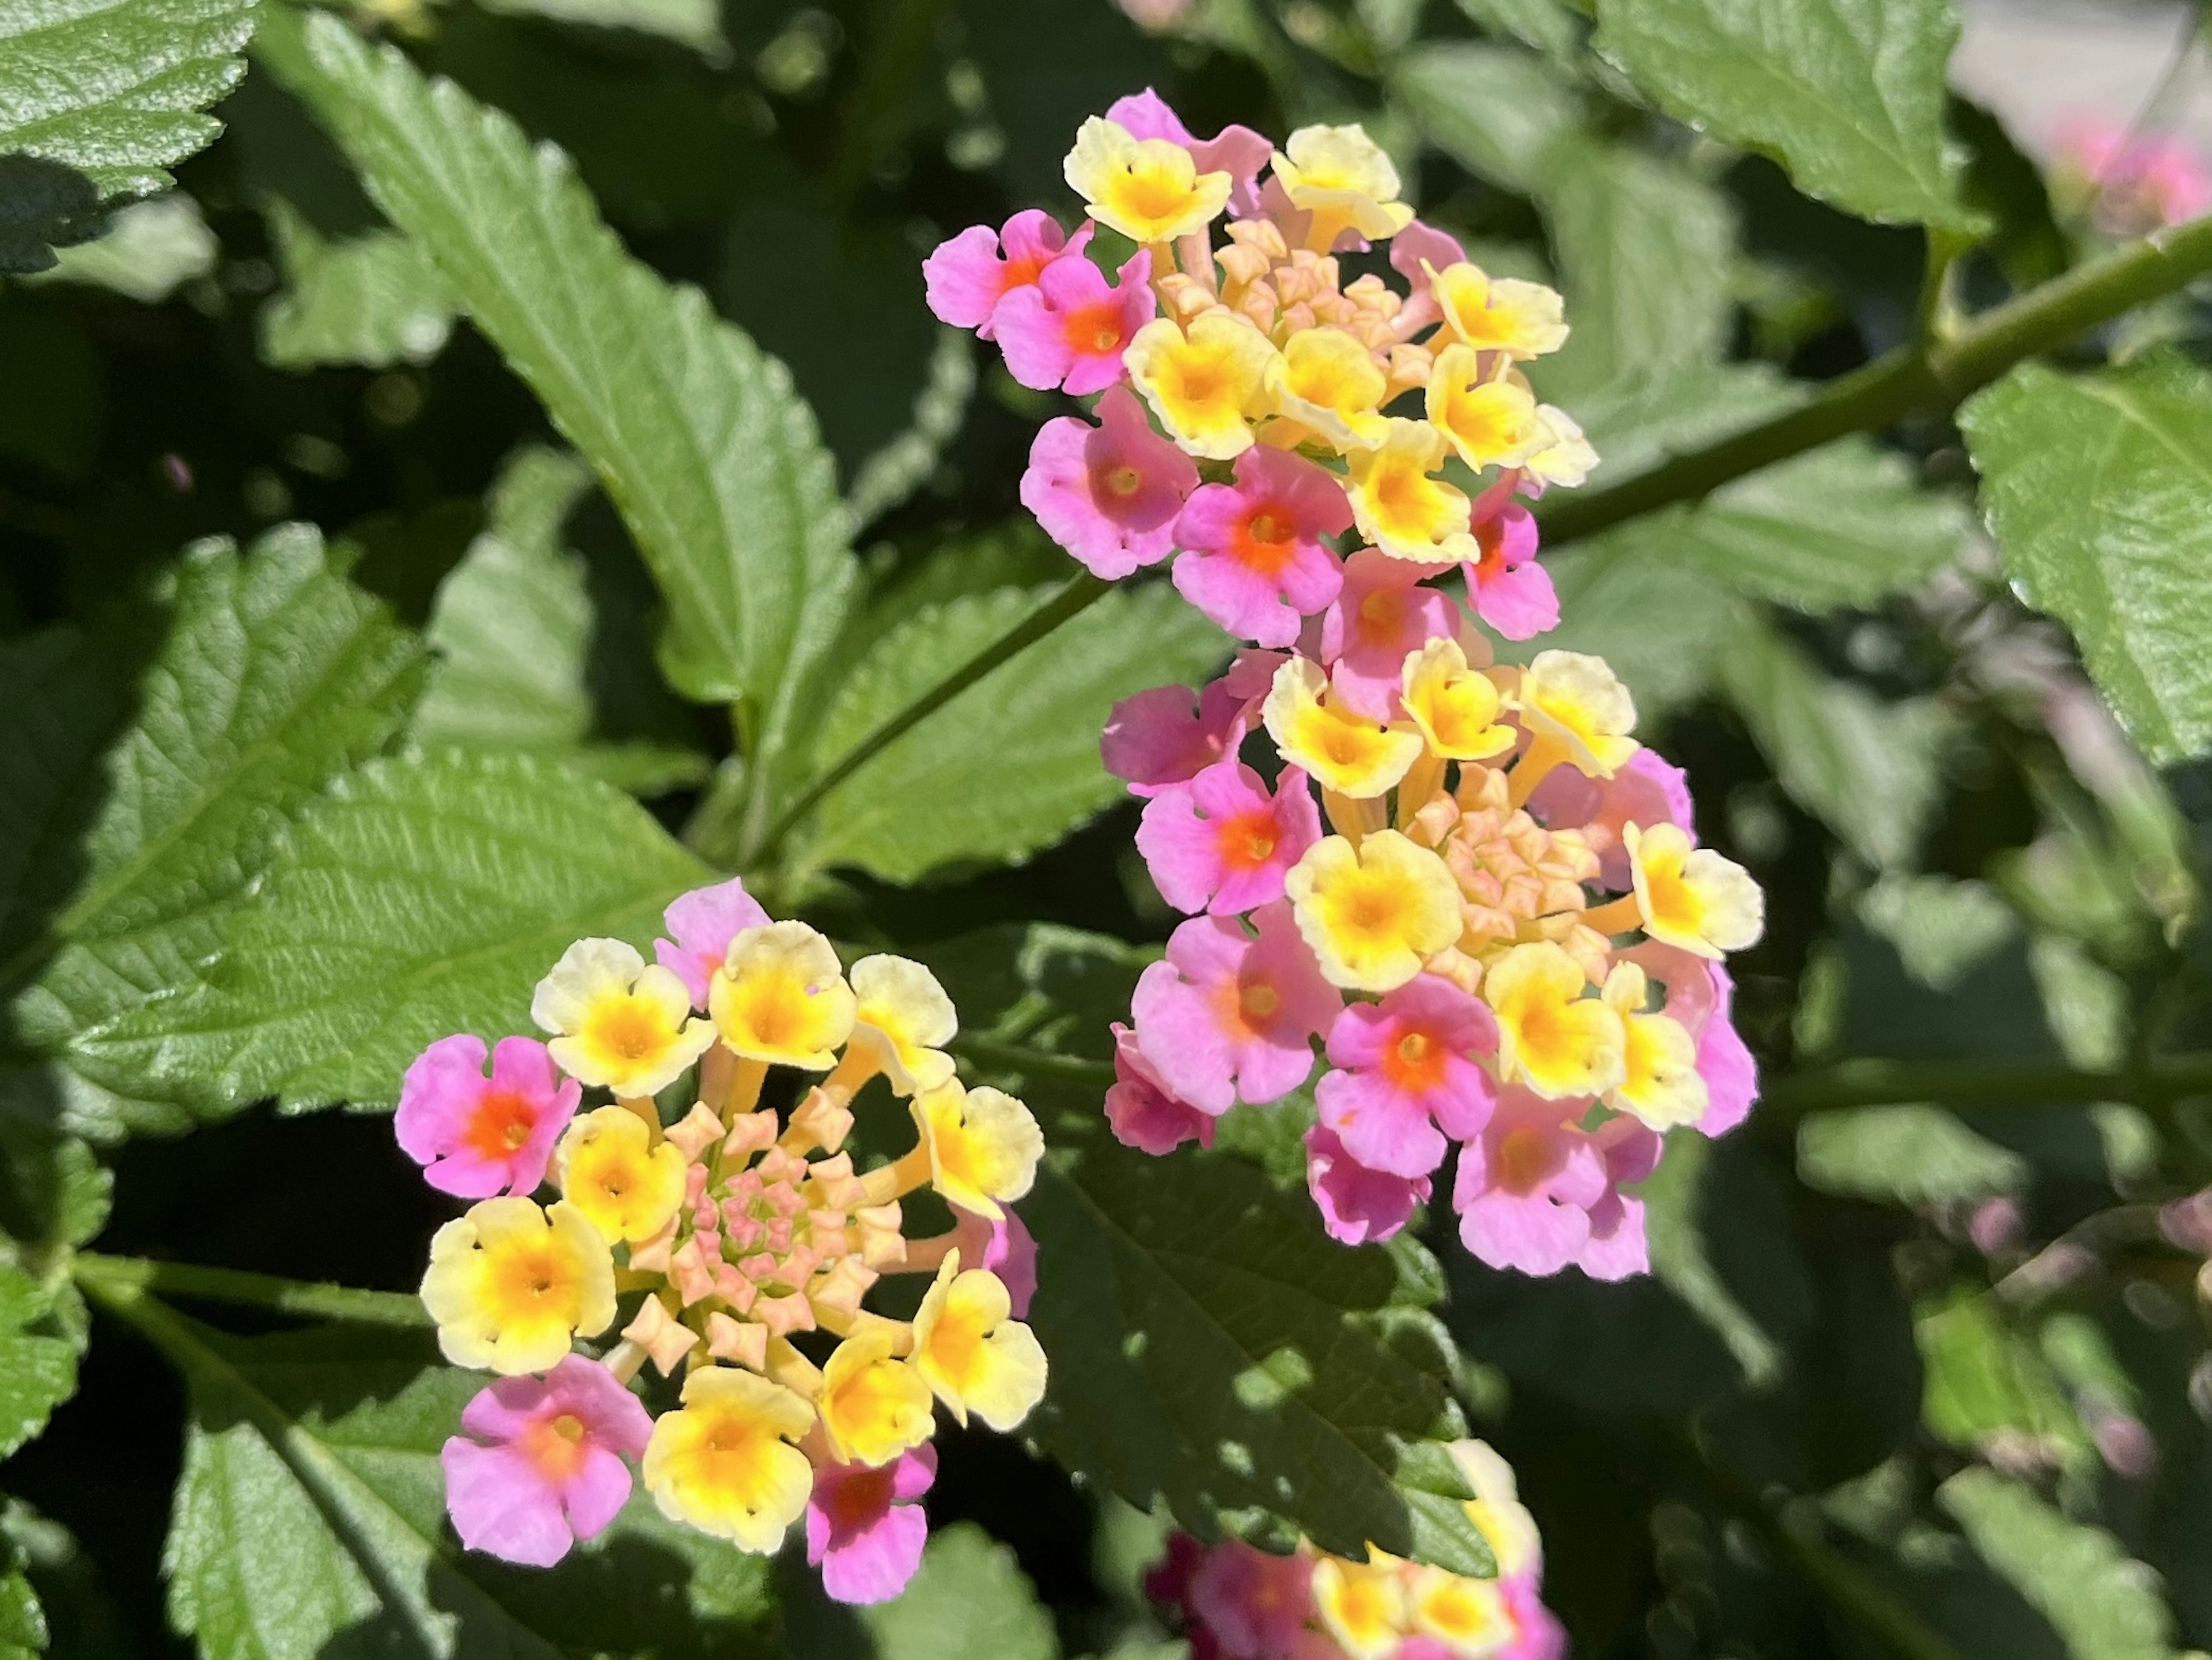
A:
2033, 62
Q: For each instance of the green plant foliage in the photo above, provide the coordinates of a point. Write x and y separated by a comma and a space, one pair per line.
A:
968, 1598
2099, 487
418, 897
1495, 110
374, 300
97, 101
1660, 627
692, 23
1847, 93
1914, 1155
38, 1371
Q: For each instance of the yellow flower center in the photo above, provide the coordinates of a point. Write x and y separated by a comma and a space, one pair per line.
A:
1124, 481
629, 1028
1524, 1158
1259, 1002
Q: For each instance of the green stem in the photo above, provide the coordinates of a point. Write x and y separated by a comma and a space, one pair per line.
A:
1868, 1083
1034, 1063
1926, 374
132, 1277
1078, 594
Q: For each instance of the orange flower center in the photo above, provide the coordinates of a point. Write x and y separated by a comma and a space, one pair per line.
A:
1094, 328
1248, 840
1415, 1063
502, 1123
1524, 1158
1264, 542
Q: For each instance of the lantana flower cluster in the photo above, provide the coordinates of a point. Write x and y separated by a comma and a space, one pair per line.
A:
1234, 1602
735, 1246
1466, 883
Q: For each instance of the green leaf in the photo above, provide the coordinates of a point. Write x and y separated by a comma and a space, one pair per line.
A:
1010, 765
2102, 1603
967, 1598
694, 23
374, 300
1984, 1381
1847, 94
1910, 1155
418, 897
713, 461
1495, 110
37, 1369
311, 1504
1547, 25
893, 473
147, 251
134, 830
1211, 1345
1872, 771
2098, 489
98, 99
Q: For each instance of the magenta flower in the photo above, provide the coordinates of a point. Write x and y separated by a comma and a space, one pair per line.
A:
1648, 790
1537, 1632
969, 274
1222, 843
1407, 1071
704, 922
1357, 1204
1527, 1184
1382, 615
1142, 1111
1507, 587
1617, 1248
1108, 494
1005, 1247
1069, 329
864, 1530
1256, 561
1724, 1061
1252, 1603
1238, 151
476, 1136
1228, 1017
545, 1466
1166, 736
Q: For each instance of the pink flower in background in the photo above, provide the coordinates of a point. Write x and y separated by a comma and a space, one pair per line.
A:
1383, 614
1527, 1184
1725, 1061
1649, 790
1256, 560
1357, 1204
544, 1467
1005, 1247
1142, 1111
1238, 151
1108, 494
1255, 1605
2140, 181
865, 1528
477, 1136
1221, 842
1068, 330
1406, 1076
1617, 1248
1507, 587
1229, 1018
704, 922
969, 274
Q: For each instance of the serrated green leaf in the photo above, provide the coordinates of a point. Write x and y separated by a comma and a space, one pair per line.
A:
2104, 1604
23, 1633
374, 300
135, 830
1547, 25
1012, 764
98, 99
147, 252
37, 1369
2098, 489
694, 23
893, 473
704, 447
1848, 94
1984, 1380
1211, 1346
1910, 1155
969, 1597
1495, 110
418, 897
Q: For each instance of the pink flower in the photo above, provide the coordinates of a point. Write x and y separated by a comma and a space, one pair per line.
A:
476, 1136
1228, 1017
2143, 181
1527, 1184
1165, 736
1257, 563
704, 922
1005, 1247
1382, 615
1142, 1111
1409, 249
1700, 997
1647, 791
1537, 1632
546, 1468
1616, 1248
1406, 1072
966, 278
1068, 331
1108, 494
1222, 843
1357, 1204
1238, 151
864, 1530
1507, 587
1255, 1604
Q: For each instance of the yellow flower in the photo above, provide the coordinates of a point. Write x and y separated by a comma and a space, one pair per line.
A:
1148, 189
1373, 915
780, 997
1691, 896
1348, 752
723, 1463
1565, 457
975, 1355
873, 1408
1362, 1606
1467, 1616
1492, 423
1522, 319
1342, 176
903, 1018
617, 1022
1496, 1509
1578, 703
511, 1286
1661, 1085
1456, 708
1400, 508
1207, 386
983, 1145
1326, 380
606, 1169
1550, 1036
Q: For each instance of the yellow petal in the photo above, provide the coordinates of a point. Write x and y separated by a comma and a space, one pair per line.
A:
606, 1169
1207, 385
1148, 189
781, 997
1346, 751
723, 1463
1373, 915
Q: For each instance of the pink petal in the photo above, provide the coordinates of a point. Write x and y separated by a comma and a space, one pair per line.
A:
501, 1505
1357, 1204
438, 1097
1140, 1109
702, 923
